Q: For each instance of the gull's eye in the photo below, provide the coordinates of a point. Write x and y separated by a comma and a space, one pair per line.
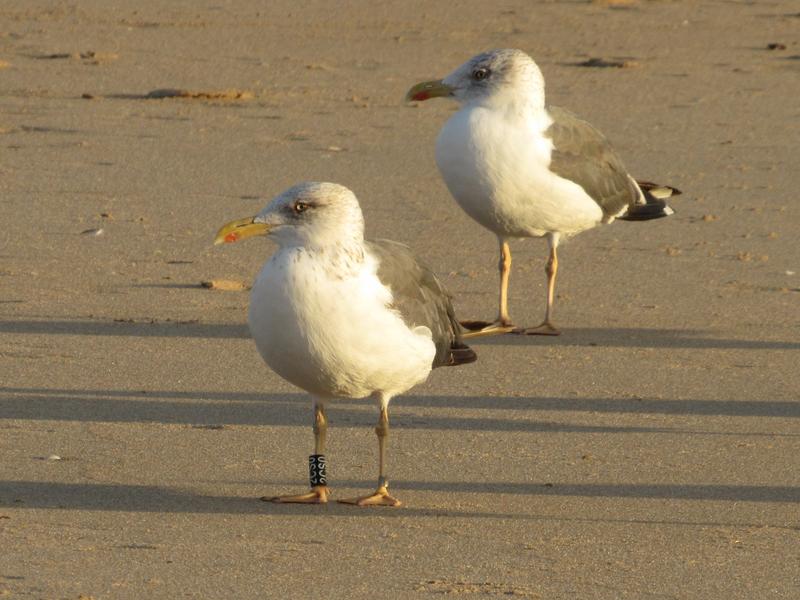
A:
480, 74
300, 206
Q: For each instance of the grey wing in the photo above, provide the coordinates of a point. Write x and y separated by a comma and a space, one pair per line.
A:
582, 154
420, 299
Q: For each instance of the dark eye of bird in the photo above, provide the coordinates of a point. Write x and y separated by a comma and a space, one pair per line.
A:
300, 207
480, 74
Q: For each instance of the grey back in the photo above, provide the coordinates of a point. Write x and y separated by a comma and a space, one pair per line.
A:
582, 154
418, 295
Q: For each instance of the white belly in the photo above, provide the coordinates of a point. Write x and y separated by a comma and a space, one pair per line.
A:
334, 336
497, 171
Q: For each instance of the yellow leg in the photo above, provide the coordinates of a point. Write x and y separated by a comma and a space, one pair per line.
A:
319, 493
551, 269
505, 270
381, 496
503, 322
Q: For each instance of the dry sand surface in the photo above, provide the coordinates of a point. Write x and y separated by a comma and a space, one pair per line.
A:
651, 451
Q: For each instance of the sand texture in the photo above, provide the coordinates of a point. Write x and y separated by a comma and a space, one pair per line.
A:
649, 452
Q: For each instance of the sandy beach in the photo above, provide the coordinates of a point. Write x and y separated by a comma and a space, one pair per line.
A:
648, 452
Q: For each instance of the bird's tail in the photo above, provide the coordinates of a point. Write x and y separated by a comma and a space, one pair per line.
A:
461, 354
652, 203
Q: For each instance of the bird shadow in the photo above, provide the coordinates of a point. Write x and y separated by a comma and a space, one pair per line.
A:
729, 493
716, 492
204, 409
128, 328
156, 499
636, 337
630, 337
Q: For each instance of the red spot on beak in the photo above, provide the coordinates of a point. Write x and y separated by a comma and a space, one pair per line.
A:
420, 96
231, 237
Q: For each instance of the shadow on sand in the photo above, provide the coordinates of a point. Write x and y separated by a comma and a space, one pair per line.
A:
603, 337
222, 408
155, 499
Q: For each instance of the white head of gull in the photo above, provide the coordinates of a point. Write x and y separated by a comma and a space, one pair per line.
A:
343, 317
523, 169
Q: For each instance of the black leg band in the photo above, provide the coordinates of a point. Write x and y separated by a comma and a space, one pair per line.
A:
316, 470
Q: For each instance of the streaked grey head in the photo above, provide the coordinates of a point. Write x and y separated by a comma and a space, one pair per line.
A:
498, 76
314, 213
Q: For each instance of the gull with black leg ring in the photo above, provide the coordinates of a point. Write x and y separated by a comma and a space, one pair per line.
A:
343, 317
524, 169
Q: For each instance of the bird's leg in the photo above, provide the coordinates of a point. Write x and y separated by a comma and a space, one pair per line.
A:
505, 270
316, 463
551, 269
381, 496
503, 322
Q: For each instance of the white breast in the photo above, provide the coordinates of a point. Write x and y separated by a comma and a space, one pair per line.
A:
496, 167
332, 333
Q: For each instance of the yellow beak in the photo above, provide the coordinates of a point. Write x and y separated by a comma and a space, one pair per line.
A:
428, 89
240, 230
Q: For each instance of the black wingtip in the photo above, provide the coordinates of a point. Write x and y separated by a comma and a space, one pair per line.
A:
461, 355
655, 205
654, 209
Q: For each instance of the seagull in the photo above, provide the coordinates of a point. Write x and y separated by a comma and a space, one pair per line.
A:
523, 169
343, 317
